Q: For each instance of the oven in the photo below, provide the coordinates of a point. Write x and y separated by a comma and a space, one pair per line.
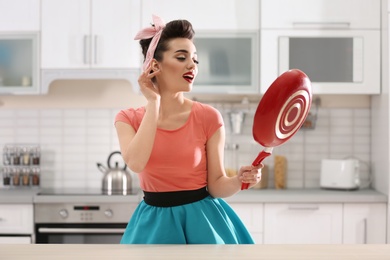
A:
82, 219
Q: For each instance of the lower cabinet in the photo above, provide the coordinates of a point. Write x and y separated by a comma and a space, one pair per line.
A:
251, 215
16, 223
314, 223
303, 223
364, 223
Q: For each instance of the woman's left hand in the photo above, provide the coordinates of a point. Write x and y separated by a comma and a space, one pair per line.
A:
250, 174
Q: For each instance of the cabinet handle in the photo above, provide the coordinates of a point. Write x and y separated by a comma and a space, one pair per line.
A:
96, 46
303, 207
365, 231
43, 230
95, 49
340, 25
86, 60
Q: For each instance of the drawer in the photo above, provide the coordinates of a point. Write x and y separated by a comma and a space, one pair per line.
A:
16, 219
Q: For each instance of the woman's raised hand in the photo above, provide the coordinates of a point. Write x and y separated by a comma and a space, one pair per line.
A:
147, 87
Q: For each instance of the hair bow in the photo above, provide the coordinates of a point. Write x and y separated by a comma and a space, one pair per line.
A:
151, 32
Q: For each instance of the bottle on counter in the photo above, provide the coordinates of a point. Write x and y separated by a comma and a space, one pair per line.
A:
231, 159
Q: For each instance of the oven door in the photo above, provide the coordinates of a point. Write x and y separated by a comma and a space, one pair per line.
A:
79, 233
336, 61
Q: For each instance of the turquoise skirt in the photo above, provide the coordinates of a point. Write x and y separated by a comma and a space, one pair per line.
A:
208, 221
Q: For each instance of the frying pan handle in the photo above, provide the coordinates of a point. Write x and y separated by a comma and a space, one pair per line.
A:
262, 155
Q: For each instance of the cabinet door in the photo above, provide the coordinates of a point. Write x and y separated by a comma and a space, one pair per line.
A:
205, 14
16, 219
252, 216
65, 34
19, 15
364, 224
227, 63
114, 24
19, 63
15, 240
277, 53
302, 223
354, 14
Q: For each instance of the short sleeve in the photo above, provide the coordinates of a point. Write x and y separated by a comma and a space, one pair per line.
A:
131, 116
213, 120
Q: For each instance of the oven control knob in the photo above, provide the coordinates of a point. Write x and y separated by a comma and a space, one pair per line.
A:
108, 213
63, 213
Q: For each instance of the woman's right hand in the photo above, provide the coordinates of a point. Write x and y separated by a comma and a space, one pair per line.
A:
148, 89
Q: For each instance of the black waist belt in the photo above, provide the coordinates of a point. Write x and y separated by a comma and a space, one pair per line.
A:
174, 198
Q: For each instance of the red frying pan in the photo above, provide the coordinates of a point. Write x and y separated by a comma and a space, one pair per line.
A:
281, 112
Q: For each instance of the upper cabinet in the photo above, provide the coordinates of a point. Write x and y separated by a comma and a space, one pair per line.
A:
19, 64
89, 34
205, 14
335, 14
226, 40
19, 47
96, 35
19, 15
336, 43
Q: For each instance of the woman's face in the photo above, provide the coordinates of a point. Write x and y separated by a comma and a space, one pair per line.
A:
178, 66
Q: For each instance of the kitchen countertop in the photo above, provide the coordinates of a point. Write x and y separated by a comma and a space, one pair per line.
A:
307, 196
27, 196
17, 196
269, 252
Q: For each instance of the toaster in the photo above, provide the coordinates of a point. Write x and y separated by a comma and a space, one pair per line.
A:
340, 174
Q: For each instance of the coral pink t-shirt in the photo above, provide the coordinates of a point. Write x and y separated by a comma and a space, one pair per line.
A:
178, 160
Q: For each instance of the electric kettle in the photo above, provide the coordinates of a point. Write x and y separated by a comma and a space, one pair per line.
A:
116, 180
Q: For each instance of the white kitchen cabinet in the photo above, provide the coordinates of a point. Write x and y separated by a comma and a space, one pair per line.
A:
251, 215
364, 223
228, 63
16, 219
299, 223
297, 14
15, 240
205, 14
90, 34
19, 15
16, 223
19, 63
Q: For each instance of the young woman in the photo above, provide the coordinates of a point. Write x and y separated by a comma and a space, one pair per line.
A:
176, 146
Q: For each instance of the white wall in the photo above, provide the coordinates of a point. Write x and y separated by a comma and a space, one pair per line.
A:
74, 126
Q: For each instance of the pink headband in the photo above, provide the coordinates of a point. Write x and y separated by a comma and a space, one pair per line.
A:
147, 33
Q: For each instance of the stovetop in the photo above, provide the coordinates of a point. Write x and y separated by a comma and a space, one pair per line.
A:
84, 195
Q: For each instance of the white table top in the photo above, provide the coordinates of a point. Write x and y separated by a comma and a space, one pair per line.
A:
187, 252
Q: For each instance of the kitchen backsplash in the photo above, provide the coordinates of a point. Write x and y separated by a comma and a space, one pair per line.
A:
73, 140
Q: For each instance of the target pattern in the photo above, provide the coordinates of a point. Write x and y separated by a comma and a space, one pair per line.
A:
292, 114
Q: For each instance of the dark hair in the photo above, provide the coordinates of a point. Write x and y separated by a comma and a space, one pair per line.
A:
172, 30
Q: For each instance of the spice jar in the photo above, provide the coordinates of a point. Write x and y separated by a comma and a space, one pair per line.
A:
35, 176
26, 176
6, 155
26, 155
16, 156
6, 177
16, 177
36, 154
